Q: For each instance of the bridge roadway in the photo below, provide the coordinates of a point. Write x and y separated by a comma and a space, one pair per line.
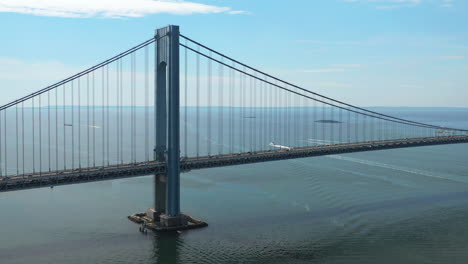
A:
53, 178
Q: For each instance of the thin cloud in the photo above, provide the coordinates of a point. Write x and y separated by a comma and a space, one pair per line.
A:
452, 57
395, 4
109, 8
387, 1
239, 12
325, 70
347, 65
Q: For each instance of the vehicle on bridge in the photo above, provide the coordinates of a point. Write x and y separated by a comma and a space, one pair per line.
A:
280, 146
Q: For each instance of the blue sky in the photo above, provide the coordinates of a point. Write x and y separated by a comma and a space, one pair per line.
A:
366, 52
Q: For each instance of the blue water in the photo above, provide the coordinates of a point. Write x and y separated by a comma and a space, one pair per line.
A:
392, 206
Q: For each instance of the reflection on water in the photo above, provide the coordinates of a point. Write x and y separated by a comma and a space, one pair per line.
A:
166, 247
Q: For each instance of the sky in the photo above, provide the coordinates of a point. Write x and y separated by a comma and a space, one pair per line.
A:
364, 52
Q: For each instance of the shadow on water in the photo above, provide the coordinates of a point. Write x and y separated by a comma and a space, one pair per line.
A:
166, 248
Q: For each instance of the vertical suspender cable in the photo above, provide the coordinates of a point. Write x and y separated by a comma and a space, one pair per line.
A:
323, 137
40, 136
79, 124
107, 114
185, 103
121, 113
48, 128
209, 107
332, 125
120, 91
349, 127
33, 139
275, 113
117, 112
272, 120
1, 171
278, 114
220, 109
132, 105
22, 135
357, 127
72, 127
241, 120
134, 108
315, 137
267, 116
231, 109
244, 103
17, 141
341, 126
87, 121
263, 132
64, 136
305, 122
147, 105
94, 121
282, 102
56, 130
364, 128
103, 126
198, 104
5, 140
296, 121
253, 113
288, 116
251, 123
380, 129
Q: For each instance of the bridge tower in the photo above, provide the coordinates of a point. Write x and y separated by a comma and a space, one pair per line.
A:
167, 149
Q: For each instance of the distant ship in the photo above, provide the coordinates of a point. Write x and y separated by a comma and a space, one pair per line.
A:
327, 121
280, 146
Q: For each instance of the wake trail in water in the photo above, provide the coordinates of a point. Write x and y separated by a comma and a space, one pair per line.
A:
454, 178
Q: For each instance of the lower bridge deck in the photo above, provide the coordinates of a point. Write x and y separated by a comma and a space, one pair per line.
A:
44, 179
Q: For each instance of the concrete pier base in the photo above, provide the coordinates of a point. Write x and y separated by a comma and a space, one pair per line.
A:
171, 221
157, 221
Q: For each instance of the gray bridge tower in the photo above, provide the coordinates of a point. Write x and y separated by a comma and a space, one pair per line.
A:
167, 149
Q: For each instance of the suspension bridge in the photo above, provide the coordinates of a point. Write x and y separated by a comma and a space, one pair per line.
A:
172, 104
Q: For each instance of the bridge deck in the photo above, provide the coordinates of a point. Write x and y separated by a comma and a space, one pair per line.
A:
147, 168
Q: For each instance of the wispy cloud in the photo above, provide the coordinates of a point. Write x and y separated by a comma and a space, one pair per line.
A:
325, 70
388, 1
347, 65
19, 77
332, 68
109, 8
329, 43
411, 86
394, 4
452, 57
447, 3
12, 69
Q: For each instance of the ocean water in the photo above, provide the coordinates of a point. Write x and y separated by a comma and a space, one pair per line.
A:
391, 206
